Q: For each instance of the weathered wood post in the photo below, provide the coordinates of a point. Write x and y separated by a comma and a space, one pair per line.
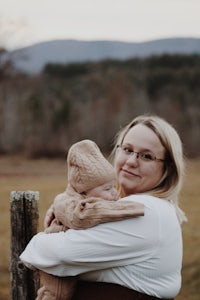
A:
24, 224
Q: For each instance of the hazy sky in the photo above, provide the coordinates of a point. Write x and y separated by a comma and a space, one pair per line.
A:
25, 22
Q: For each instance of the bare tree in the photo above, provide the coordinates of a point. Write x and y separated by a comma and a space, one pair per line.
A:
12, 32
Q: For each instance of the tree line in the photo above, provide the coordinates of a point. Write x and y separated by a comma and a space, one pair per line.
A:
43, 115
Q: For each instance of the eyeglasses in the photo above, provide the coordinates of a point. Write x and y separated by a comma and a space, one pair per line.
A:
141, 155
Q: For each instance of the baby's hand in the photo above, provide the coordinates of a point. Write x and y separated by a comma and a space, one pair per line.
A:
49, 217
55, 227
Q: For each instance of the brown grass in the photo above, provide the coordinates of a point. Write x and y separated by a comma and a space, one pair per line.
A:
49, 178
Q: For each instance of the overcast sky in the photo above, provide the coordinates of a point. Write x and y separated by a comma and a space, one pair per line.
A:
25, 22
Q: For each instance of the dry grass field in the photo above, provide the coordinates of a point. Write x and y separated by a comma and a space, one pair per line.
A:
49, 178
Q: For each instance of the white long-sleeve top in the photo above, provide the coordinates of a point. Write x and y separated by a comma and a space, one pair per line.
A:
143, 253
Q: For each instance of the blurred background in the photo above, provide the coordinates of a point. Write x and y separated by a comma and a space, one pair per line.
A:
71, 70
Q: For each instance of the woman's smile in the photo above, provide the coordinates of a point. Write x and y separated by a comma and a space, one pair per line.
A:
129, 173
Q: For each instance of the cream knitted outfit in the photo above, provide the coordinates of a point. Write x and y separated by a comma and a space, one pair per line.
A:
87, 169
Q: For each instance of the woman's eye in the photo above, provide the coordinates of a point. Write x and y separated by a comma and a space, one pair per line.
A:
127, 150
147, 156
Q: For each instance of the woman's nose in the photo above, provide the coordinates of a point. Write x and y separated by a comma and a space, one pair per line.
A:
133, 158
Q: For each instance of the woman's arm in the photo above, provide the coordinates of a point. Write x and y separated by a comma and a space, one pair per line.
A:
107, 245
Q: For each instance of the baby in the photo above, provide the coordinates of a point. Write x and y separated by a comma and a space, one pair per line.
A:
89, 199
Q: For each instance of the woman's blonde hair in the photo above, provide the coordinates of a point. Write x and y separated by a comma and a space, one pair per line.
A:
174, 170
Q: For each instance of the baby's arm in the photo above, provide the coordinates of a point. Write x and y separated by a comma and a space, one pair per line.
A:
59, 215
80, 214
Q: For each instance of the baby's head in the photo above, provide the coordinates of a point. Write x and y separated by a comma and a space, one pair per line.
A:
89, 172
106, 191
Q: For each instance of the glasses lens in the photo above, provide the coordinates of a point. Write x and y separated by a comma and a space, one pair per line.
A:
146, 157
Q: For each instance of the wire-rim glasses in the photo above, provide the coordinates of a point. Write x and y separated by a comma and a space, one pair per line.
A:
148, 157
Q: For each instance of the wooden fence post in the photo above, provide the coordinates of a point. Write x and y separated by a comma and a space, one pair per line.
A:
24, 224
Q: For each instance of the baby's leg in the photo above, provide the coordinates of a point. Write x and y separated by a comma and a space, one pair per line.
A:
56, 288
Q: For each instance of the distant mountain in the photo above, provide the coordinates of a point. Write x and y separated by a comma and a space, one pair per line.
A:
32, 59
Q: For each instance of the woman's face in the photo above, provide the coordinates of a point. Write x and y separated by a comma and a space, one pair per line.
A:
138, 173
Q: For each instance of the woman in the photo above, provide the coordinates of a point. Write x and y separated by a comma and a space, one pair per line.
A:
140, 257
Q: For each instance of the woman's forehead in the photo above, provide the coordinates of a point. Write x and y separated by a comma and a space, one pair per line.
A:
143, 137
